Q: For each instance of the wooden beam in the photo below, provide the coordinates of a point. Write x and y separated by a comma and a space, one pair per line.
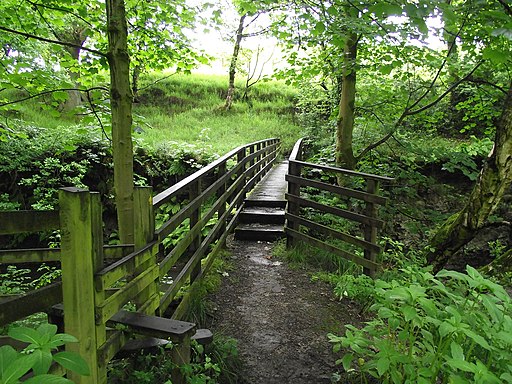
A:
12, 222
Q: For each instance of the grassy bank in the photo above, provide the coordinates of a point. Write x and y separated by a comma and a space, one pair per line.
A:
189, 109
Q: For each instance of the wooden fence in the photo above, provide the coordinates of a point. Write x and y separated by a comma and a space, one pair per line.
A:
318, 233
99, 281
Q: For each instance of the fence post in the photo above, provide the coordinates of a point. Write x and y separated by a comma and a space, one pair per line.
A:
259, 146
195, 191
220, 195
147, 301
80, 257
370, 231
240, 159
293, 208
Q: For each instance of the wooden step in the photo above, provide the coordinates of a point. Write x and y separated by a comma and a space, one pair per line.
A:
249, 202
259, 232
264, 215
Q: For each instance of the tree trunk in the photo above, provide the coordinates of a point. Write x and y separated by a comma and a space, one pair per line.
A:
345, 123
121, 106
232, 66
494, 180
77, 35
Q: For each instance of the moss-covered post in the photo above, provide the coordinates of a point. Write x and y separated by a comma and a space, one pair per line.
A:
240, 158
220, 195
293, 208
195, 191
370, 231
81, 253
148, 300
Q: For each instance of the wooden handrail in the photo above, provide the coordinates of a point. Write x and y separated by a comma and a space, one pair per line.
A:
368, 219
344, 171
170, 192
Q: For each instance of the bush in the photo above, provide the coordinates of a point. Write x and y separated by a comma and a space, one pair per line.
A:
448, 328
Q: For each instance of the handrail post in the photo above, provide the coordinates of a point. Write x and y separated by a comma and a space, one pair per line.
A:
293, 208
220, 195
195, 191
80, 257
147, 300
259, 146
240, 158
370, 231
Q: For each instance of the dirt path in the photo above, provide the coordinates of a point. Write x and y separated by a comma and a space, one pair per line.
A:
279, 317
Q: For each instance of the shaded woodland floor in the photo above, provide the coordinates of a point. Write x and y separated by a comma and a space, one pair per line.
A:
279, 317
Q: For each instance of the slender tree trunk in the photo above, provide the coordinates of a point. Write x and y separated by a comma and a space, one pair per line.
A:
345, 123
77, 35
494, 180
121, 105
232, 66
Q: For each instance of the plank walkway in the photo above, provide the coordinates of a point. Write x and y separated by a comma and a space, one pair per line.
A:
263, 215
271, 189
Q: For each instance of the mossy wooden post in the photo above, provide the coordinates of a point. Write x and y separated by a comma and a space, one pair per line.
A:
252, 149
195, 191
293, 208
240, 158
147, 301
220, 195
180, 356
294, 169
370, 231
79, 255
259, 146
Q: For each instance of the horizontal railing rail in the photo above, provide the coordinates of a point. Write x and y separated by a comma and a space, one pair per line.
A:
300, 227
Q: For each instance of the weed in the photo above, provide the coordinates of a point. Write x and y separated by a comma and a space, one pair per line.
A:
452, 327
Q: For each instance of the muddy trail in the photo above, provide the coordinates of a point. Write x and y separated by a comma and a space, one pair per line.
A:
279, 317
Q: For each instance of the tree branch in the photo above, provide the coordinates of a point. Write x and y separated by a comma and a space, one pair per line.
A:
37, 5
50, 92
507, 7
408, 112
63, 43
485, 82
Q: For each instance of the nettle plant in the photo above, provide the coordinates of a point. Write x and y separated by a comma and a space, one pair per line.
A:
449, 328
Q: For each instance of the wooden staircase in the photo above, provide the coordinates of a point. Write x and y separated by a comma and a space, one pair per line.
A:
262, 217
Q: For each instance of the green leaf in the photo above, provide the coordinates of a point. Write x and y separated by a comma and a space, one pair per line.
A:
477, 339
17, 369
47, 329
28, 335
456, 379
495, 56
457, 351
505, 32
382, 365
7, 356
347, 361
60, 96
47, 379
73, 362
42, 361
409, 312
461, 365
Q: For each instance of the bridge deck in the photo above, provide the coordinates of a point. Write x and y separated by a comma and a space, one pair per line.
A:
263, 215
271, 189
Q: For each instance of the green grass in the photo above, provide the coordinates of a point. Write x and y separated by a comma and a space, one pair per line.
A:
188, 108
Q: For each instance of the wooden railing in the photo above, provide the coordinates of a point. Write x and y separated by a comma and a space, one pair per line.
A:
98, 281
318, 233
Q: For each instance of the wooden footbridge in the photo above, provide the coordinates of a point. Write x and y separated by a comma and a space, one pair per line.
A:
140, 286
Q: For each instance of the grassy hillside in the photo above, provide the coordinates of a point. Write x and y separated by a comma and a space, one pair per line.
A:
189, 108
